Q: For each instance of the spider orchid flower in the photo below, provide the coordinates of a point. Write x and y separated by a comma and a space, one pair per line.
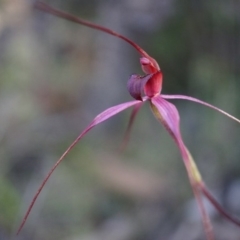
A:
146, 89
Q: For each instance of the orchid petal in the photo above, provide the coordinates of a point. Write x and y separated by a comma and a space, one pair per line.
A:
201, 102
130, 124
110, 112
136, 84
150, 84
153, 86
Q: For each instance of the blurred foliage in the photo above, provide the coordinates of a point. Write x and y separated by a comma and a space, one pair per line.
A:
9, 202
56, 76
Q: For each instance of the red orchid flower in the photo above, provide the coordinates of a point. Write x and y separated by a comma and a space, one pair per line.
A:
146, 88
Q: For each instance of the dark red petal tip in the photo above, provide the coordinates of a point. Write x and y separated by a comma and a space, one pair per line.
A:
150, 85
149, 65
153, 86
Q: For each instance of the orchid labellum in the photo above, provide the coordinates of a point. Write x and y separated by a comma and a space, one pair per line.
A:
146, 89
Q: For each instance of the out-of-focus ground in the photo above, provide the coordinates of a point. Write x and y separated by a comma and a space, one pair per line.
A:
56, 76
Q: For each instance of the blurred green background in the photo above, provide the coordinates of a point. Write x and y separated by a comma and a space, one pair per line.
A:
56, 76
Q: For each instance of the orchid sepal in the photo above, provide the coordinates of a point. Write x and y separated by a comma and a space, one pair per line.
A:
167, 114
103, 116
192, 99
132, 118
171, 123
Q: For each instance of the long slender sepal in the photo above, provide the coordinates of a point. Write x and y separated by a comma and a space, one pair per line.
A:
205, 218
183, 97
168, 115
46, 8
126, 137
110, 112
218, 207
